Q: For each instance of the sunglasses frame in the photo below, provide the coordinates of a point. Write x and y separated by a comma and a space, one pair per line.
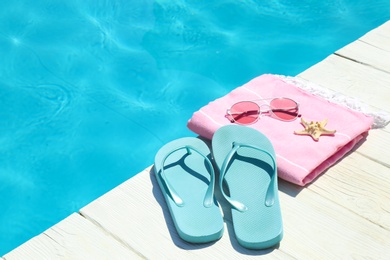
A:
261, 112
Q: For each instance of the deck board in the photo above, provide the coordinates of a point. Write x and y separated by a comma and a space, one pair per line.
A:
316, 227
342, 214
359, 185
311, 212
372, 49
379, 36
129, 212
352, 79
376, 146
72, 238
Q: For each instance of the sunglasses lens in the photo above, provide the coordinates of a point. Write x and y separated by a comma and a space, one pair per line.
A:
284, 108
245, 112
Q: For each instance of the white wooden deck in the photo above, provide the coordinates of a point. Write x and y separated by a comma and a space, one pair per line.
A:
344, 214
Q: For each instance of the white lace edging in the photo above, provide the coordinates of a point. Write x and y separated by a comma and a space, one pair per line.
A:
381, 118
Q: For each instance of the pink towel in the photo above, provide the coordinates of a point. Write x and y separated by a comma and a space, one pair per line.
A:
300, 159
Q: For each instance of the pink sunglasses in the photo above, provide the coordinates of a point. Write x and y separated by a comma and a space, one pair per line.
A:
248, 112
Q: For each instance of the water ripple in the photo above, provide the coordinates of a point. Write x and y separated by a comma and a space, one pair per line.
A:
44, 102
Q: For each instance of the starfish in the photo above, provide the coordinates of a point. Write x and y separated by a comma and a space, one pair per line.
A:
315, 129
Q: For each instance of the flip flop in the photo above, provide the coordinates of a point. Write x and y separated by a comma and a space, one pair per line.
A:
186, 178
246, 160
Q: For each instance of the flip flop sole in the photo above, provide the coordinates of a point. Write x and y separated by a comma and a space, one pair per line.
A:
248, 178
189, 175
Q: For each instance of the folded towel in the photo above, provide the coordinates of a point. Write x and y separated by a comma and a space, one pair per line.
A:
300, 159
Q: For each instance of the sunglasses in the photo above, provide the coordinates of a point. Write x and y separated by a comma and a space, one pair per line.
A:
248, 112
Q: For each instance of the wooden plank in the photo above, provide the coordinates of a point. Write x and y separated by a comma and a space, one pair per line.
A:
305, 217
372, 49
318, 228
136, 214
348, 233
72, 238
360, 185
379, 37
376, 146
352, 79
367, 54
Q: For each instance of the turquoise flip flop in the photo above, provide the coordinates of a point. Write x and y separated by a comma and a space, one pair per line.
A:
186, 178
246, 160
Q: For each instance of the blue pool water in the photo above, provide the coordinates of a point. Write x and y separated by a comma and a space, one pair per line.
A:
89, 90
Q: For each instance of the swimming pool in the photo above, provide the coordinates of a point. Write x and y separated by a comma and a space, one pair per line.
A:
90, 90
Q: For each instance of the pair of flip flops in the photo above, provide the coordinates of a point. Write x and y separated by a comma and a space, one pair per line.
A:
246, 162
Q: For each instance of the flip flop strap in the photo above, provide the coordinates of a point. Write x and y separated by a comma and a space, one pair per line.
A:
270, 195
208, 199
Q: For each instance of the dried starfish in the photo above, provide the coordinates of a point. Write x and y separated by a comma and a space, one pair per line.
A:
315, 129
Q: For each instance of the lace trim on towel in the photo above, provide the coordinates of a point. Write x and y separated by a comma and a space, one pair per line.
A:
381, 118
